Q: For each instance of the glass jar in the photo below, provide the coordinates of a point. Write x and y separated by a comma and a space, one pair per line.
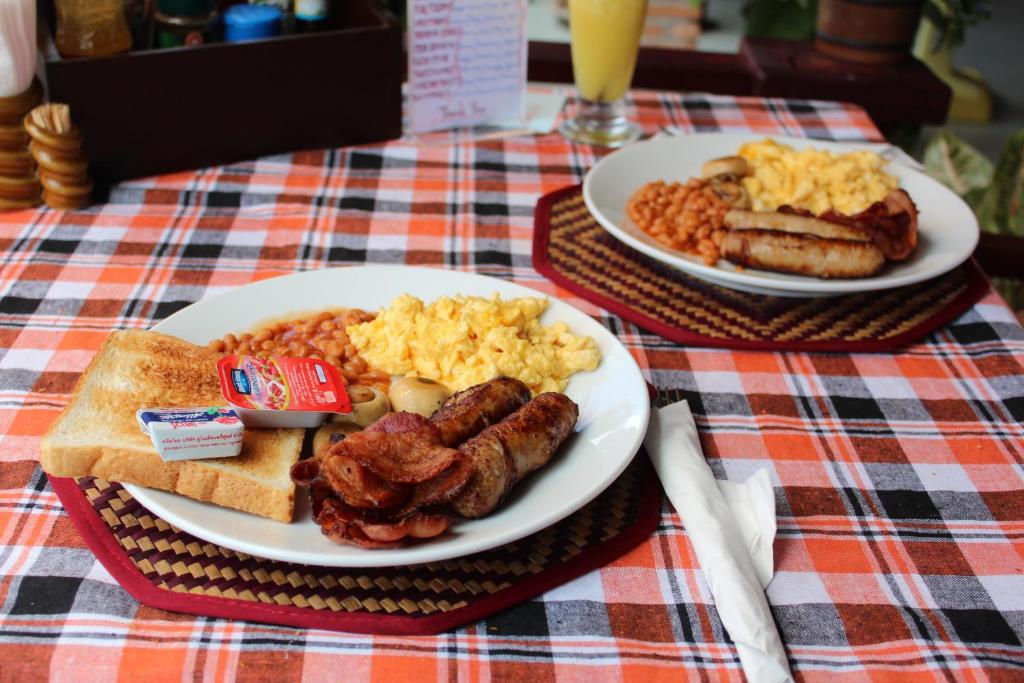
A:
179, 23
91, 28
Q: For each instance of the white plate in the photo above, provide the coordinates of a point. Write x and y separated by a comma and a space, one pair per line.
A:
947, 228
613, 400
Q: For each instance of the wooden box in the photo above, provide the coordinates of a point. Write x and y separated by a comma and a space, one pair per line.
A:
157, 111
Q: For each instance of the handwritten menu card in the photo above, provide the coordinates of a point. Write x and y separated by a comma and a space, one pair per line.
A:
467, 62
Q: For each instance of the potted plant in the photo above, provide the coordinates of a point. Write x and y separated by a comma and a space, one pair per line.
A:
871, 31
949, 20
943, 28
867, 31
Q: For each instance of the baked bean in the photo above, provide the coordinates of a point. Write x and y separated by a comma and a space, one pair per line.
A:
356, 366
320, 335
687, 216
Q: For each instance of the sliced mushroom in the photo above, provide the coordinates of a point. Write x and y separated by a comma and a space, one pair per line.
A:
418, 395
330, 434
734, 166
731, 192
369, 404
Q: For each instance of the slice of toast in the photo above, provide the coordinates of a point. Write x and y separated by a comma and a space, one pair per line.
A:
98, 435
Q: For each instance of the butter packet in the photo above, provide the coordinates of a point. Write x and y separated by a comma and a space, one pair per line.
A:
192, 433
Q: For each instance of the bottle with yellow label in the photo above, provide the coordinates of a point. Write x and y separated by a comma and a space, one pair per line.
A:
91, 28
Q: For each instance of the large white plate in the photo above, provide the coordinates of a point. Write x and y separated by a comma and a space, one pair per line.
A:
947, 229
613, 400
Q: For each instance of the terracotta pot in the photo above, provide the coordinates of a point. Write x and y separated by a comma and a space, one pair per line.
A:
867, 31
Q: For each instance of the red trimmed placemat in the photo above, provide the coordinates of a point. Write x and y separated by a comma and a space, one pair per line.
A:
572, 249
166, 568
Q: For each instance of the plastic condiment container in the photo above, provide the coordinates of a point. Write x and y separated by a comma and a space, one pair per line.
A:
178, 23
192, 433
282, 392
251, 22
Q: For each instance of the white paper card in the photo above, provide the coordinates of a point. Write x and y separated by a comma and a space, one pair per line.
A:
467, 63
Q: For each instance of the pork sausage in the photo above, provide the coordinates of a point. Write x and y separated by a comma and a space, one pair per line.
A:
468, 412
503, 454
801, 254
793, 223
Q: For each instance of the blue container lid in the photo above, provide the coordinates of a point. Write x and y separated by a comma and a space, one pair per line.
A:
248, 22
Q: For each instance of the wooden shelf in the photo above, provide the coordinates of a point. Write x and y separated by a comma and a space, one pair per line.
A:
897, 95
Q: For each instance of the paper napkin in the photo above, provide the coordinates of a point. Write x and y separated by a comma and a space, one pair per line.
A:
731, 527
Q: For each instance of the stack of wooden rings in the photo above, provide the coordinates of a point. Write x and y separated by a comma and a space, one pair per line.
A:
19, 187
57, 147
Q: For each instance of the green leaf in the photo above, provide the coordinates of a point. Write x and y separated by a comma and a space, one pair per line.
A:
1001, 209
958, 166
789, 19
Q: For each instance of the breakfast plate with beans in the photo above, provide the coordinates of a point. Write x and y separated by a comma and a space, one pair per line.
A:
780, 216
403, 331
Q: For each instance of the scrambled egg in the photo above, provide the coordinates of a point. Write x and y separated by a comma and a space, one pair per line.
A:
463, 341
814, 179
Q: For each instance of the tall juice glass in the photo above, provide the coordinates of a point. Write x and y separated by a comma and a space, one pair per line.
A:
605, 40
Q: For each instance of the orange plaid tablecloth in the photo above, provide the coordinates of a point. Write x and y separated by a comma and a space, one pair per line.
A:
899, 478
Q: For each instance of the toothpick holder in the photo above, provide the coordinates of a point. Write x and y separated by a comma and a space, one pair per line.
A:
56, 146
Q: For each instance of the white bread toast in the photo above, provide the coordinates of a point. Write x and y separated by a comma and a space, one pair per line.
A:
97, 433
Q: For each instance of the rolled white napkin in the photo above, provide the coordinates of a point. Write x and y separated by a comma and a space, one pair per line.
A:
731, 527
17, 46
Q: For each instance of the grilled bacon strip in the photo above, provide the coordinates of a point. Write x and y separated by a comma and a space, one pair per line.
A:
398, 480
890, 223
357, 485
351, 526
400, 458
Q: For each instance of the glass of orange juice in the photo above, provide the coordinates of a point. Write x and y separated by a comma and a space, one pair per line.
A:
605, 40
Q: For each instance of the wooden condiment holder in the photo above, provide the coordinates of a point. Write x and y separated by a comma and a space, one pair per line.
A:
56, 146
19, 186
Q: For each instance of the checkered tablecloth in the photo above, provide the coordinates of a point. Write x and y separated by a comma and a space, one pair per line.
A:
899, 478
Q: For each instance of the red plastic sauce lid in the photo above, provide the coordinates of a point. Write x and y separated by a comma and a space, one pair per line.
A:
283, 384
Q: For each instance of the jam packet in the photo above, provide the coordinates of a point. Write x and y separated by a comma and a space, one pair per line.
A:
282, 392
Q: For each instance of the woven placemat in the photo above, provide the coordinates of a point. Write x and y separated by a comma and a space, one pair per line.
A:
169, 569
573, 250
